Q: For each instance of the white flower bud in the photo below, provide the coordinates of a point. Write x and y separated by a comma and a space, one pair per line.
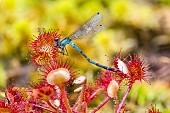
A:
80, 80
122, 66
55, 103
112, 89
78, 89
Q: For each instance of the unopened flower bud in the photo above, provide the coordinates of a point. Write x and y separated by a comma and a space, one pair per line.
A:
112, 89
122, 66
78, 89
55, 103
80, 80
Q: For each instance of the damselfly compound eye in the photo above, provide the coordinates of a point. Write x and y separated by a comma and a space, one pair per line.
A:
56, 39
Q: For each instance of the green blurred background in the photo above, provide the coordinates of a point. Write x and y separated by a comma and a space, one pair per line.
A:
132, 26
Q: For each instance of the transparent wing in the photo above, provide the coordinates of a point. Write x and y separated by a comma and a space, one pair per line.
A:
89, 28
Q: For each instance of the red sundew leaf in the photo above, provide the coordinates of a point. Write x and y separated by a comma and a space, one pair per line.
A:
43, 92
45, 42
41, 59
104, 78
137, 70
154, 110
18, 101
42, 48
89, 91
56, 65
133, 69
2, 104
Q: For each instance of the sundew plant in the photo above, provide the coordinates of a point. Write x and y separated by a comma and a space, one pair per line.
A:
51, 95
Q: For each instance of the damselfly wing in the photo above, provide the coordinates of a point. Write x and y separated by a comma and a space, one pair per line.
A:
89, 28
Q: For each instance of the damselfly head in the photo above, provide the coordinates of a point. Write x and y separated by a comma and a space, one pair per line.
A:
56, 43
57, 39
62, 49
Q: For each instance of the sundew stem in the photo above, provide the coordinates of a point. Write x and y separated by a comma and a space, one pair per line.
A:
56, 109
123, 99
101, 105
94, 94
44, 108
116, 101
65, 99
